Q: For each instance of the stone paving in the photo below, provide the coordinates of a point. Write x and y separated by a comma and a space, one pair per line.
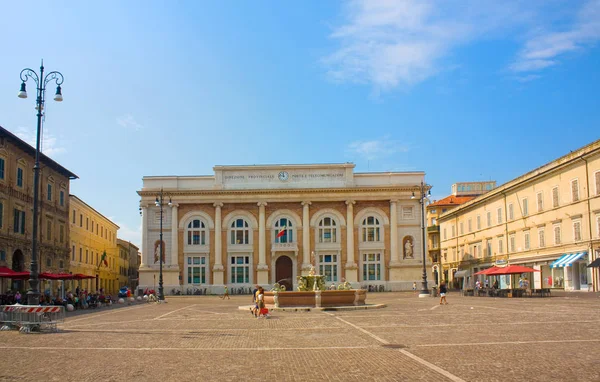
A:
203, 338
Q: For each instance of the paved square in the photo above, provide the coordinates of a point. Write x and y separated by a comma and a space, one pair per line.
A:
204, 338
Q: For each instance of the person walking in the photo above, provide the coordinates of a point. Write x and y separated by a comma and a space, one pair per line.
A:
226, 294
443, 291
414, 287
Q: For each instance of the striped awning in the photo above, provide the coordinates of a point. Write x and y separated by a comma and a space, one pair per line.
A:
567, 259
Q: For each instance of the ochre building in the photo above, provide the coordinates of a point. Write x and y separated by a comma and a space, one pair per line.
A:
248, 225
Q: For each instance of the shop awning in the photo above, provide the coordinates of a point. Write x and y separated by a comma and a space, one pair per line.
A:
567, 259
595, 263
463, 273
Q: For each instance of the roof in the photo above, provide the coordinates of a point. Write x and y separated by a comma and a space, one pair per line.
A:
452, 201
31, 150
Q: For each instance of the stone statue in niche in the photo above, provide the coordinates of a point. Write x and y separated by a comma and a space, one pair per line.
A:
408, 247
157, 251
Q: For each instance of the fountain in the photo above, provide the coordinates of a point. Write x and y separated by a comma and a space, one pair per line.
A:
312, 293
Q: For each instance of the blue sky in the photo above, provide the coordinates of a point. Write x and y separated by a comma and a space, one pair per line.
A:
464, 90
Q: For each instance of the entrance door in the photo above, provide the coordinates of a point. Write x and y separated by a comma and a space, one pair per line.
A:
18, 265
284, 272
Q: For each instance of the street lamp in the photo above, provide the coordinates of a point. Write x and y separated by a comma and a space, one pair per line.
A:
159, 203
424, 193
33, 295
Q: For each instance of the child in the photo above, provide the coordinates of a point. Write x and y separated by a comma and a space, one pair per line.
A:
260, 301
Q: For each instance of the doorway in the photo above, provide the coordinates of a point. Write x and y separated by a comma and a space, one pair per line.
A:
284, 269
18, 265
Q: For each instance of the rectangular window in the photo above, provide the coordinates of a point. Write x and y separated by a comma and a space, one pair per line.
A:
371, 263
499, 215
478, 222
81, 220
61, 198
328, 267
1, 215
541, 238
512, 243
453, 231
433, 211
555, 197
87, 223
1, 168
80, 255
73, 254
19, 221
445, 236
577, 230
575, 190
240, 269
596, 175
74, 216
500, 245
49, 192
598, 225
462, 230
488, 246
540, 202
526, 239
19, 177
61, 234
511, 212
525, 207
489, 219
196, 270
557, 240
49, 229
87, 256
470, 225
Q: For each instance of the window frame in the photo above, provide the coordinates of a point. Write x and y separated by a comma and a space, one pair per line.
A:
575, 197
376, 264
525, 206
555, 197
244, 229
365, 229
331, 228
575, 224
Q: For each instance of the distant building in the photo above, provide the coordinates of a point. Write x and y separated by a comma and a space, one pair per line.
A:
129, 264
92, 235
548, 219
472, 188
17, 159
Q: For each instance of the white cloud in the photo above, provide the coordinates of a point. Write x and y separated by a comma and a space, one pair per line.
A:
49, 144
543, 49
128, 122
134, 235
399, 43
375, 149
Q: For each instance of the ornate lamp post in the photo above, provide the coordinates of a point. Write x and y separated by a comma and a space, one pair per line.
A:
33, 295
424, 192
159, 203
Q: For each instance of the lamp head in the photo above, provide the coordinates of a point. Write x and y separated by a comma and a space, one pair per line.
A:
157, 202
170, 202
23, 92
413, 195
58, 96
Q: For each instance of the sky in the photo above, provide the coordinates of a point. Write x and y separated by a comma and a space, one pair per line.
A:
464, 90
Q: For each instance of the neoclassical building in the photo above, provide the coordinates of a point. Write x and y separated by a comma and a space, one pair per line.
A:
248, 225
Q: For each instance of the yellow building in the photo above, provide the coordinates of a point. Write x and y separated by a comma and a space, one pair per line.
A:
124, 248
548, 219
92, 235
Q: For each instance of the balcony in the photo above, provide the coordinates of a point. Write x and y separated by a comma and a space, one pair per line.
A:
433, 229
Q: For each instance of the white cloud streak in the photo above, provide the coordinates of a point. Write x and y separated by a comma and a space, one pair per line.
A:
49, 145
375, 149
128, 121
399, 43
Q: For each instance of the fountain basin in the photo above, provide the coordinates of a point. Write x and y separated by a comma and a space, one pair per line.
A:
326, 298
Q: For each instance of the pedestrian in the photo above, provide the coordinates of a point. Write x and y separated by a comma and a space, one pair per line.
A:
254, 309
226, 294
414, 287
261, 302
443, 291
18, 297
487, 283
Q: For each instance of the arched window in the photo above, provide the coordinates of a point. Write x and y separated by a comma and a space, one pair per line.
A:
196, 232
371, 229
284, 231
240, 232
327, 230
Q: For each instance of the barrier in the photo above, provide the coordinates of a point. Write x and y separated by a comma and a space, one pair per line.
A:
29, 318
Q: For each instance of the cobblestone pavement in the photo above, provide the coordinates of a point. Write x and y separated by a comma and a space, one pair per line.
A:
203, 338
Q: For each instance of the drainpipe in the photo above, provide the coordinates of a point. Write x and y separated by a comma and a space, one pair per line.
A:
587, 183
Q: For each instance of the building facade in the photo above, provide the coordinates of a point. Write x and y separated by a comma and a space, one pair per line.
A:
130, 263
548, 219
461, 193
92, 235
17, 159
248, 225
123, 262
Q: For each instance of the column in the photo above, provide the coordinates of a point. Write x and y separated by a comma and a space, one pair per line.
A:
305, 237
394, 258
351, 268
174, 239
263, 268
144, 236
218, 270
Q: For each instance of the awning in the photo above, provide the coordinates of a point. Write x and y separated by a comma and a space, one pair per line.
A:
463, 273
595, 263
567, 259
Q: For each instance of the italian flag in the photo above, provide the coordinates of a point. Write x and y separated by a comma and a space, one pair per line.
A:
282, 232
103, 259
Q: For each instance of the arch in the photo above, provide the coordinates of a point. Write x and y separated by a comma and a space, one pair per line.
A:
281, 214
192, 214
378, 212
18, 261
328, 212
4, 153
240, 214
284, 272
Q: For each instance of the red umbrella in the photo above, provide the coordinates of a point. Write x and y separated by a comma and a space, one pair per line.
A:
511, 270
10, 274
55, 276
488, 271
81, 276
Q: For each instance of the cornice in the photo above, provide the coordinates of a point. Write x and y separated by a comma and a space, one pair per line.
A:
279, 191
